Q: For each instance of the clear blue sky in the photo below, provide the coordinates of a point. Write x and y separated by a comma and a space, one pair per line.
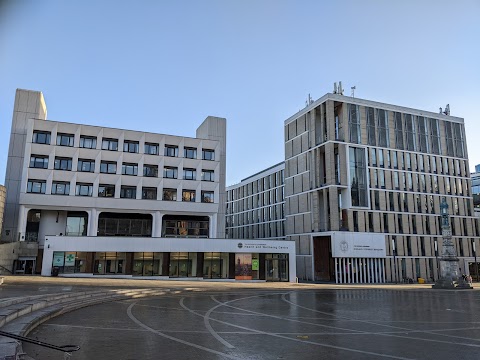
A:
163, 66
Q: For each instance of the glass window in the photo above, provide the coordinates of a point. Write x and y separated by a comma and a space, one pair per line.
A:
129, 169
84, 189
208, 175
109, 144
371, 126
383, 134
188, 195
130, 146
171, 150
435, 136
106, 190
108, 167
358, 177
207, 196
189, 174
60, 188
190, 153
41, 137
354, 123
76, 224
170, 172
398, 131
151, 148
149, 193
458, 140
150, 170
128, 192
62, 163
88, 142
39, 161
36, 186
208, 154
170, 194
65, 139
410, 132
86, 165
423, 144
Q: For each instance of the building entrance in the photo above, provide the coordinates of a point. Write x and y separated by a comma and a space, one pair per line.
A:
276, 267
324, 263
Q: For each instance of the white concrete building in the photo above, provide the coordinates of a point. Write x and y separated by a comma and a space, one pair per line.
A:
108, 199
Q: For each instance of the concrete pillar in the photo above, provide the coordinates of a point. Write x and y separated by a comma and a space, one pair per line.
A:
22, 223
92, 222
157, 217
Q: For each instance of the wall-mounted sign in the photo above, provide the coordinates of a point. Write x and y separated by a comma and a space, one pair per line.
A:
255, 264
58, 258
243, 266
70, 259
358, 245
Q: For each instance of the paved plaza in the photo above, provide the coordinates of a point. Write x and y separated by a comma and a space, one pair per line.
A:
200, 320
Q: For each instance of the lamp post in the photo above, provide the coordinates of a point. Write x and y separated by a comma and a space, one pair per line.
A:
435, 244
394, 260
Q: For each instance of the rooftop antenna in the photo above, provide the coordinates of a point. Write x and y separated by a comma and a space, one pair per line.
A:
440, 111
340, 90
447, 110
334, 88
353, 91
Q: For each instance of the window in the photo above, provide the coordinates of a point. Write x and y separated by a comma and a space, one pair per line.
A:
383, 134
129, 169
410, 132
65, 139
109, 144
170, 172
170, 194
354, 123
62, 163
188, 195
60, 188
84, 189
150, 170
88, 142
108, 167
106, 190
358, 177
423, 144
171, 150
208, 175
398, 131
36, 186
435, 136
371, 126
39, 161
190, 153
41, 137
86, 165
208, 154
128, 192
189, 174
130, 146
151, 148
149, 193
207, 196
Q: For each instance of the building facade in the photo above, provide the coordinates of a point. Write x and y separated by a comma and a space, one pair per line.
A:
476, 190
255, 206
122, 202
363, 186
3, 193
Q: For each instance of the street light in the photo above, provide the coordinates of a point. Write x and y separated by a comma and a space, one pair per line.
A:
394, 259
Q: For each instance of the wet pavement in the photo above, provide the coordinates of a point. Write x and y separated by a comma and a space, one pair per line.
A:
194, 320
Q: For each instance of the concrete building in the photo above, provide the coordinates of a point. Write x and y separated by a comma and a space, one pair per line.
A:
101, 200
363, 184
3, 193
476, 190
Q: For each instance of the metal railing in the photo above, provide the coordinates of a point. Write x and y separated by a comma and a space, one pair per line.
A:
64, 348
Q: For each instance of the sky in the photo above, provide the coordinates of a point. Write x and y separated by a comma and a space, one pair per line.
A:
164, 66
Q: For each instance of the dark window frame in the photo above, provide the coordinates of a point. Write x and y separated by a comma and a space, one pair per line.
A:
91, 139
63, 163
110, 144
38, 160
82, 162
65, 139
36, 139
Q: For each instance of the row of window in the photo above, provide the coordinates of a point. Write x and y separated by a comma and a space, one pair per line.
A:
90, 142
108, 190
416, 162
256, 186
413, 133
110, 167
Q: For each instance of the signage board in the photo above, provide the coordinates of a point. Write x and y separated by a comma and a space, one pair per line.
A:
70, 259
358, 245
58, 258
255, 264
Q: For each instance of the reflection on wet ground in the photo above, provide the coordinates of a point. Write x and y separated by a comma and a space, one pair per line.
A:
273, 323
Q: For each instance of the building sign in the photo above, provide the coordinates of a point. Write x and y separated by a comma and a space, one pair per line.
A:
58, 258
358, 245
255, 264
243, 267
70, 259
262, 246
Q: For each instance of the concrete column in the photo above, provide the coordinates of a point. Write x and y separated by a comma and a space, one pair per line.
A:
92, 222
213, 226
157, 217
22, 223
